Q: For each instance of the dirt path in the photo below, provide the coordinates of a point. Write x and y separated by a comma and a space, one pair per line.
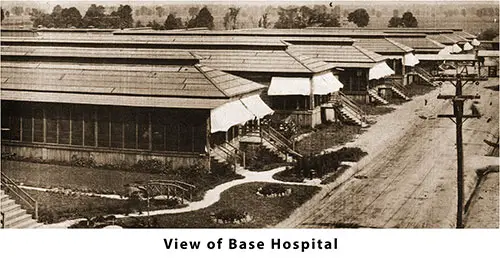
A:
483, 212
409, 175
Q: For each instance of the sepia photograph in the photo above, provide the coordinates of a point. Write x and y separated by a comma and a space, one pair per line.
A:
249, 115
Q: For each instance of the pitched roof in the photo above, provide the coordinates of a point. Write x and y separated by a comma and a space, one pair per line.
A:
176, 83
420, 43
443, 39
99, 53
340, 56
274, 61
382, 45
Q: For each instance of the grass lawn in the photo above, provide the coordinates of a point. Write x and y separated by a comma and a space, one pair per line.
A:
57, 207
264, 211
327, 136
99, 180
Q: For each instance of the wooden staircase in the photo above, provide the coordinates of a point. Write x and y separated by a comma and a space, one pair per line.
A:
424, 75
373, 94
349, 112
228, 154
13, 216
399, 90
278, 144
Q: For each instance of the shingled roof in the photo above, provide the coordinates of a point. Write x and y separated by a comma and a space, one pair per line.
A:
383, 45
420, 44
171, 86
340, 56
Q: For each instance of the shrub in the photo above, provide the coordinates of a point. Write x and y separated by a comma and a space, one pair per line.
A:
83, 161
273, 189
153, 166
230, 216
263, 160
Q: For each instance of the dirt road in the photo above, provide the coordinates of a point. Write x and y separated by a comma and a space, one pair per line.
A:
409, 178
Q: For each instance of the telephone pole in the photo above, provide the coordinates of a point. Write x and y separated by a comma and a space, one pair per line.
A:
458, 114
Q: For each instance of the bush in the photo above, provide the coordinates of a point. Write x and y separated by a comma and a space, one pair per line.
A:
230, 216
273, 189
83, 161
263, 160
153, 166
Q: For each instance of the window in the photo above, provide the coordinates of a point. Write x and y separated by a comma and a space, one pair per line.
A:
158, 131
103, 127
76, 125
143, 129
51, 131
89, 126
129, 130
27, 122
11, 120
117, 128
38, 124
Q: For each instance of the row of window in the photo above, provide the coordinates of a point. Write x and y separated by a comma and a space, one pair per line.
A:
103, 126
297, 102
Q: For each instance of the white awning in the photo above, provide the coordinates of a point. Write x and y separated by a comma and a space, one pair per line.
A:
475, 42
467, 46
326, 84
238, 112
445, 51
456, 49
410, 60
229, 114
256, 106
380, 70
289, 86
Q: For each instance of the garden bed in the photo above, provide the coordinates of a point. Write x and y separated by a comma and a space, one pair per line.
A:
327, 136
57, 207
105, 181
264, 211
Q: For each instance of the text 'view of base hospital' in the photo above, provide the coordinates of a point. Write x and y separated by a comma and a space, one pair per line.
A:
253, 115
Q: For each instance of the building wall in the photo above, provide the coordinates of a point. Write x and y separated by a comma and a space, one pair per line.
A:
110, 135
308, 118
101, 157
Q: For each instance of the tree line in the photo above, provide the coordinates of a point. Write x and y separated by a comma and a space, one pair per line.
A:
94, 17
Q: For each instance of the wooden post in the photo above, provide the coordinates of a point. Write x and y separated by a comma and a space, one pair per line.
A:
207, 136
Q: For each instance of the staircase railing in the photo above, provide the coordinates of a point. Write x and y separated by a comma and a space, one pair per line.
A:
19, 193
280, 142
231, 153
346, 101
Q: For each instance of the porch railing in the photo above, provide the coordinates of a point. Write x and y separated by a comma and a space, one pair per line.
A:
19, 194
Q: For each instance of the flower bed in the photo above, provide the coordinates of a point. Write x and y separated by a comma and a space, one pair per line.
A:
230, 216
274, 190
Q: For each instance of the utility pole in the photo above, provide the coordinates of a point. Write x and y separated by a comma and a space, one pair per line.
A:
458, 113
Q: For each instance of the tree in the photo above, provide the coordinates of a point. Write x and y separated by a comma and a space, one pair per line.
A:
396, 22
155, 25
138, 24
409, 20
70, 17
17, 10
336, 11
304, 16
3, 15
95, 17
124, 14
378, 14
395, 13
193, 11
160, 11
230, 18
463, 12
203, 19
488, 34
263, 22
360, 17
172, 22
